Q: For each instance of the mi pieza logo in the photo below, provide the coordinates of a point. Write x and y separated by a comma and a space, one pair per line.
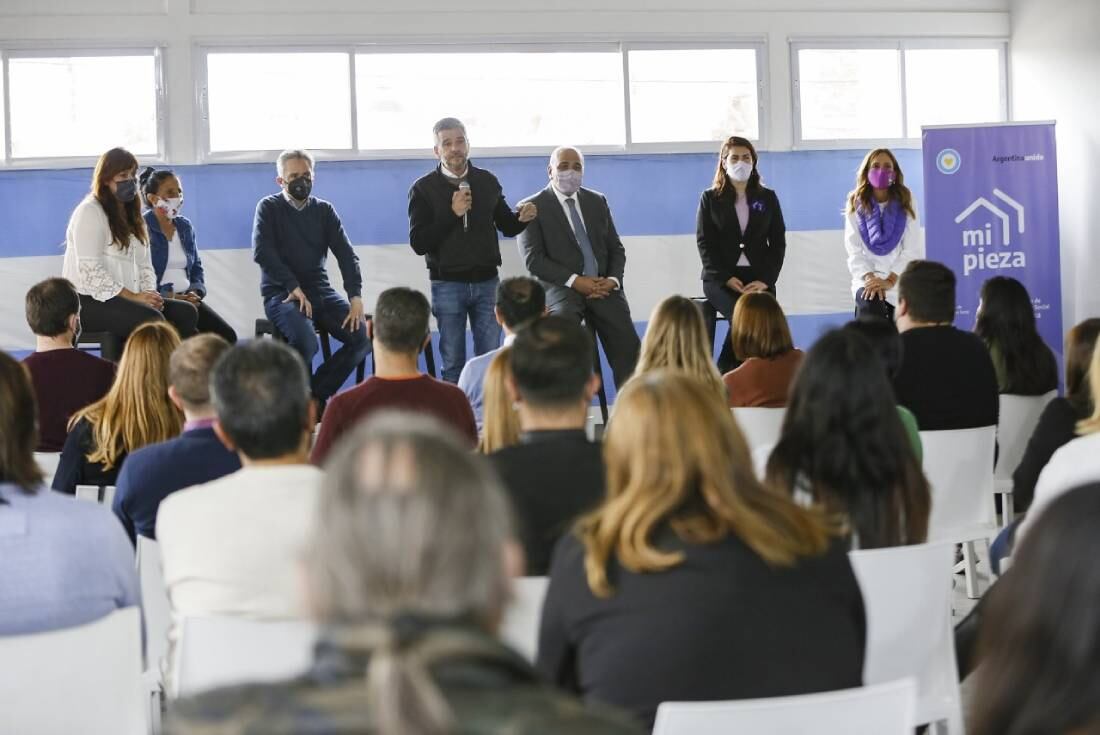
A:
987, 246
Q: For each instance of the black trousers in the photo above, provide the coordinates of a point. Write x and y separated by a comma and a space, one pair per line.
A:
610, 317
723, 299
210, 321
120, 317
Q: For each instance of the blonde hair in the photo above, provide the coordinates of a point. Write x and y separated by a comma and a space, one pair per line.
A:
136, 410
677, 338
674, 455
1091, 425
501, 425
860, 197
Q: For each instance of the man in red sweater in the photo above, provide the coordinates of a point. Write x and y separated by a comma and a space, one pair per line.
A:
400, 330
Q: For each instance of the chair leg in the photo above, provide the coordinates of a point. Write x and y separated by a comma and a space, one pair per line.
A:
429, 359
971, 570
1008, 512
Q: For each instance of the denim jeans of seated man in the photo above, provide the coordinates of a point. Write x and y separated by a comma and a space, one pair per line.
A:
329, 312
452, 303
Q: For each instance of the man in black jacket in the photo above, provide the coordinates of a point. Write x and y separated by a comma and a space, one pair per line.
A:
454, 214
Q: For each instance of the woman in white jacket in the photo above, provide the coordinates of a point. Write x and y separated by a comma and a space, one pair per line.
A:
881, 232
107, 256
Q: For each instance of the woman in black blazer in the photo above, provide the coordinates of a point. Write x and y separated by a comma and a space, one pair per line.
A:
741, 235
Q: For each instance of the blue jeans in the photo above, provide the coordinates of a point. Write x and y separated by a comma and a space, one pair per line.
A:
452, 303
329, 311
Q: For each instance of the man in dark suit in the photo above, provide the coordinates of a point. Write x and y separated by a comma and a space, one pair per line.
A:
574, 250
554, 474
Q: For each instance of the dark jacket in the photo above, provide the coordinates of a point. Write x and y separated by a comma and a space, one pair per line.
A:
550, 249
946, 379
451, 252
489, 689
1057, 427
73, 468
158, 246
719, 237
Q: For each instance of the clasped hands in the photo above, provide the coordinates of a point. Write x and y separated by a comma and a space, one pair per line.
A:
875, 287
739, 286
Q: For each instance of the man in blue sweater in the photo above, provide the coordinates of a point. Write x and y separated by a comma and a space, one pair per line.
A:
291, 237
196, 456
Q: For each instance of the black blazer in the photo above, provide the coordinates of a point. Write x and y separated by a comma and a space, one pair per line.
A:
550, 248
719, 237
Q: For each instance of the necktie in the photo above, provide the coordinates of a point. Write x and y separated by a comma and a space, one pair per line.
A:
590, 268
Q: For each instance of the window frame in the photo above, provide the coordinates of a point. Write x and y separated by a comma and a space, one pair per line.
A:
901, 45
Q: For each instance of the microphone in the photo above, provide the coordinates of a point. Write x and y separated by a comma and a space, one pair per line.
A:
465, 186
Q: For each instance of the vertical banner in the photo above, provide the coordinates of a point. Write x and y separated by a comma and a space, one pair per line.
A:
991, 209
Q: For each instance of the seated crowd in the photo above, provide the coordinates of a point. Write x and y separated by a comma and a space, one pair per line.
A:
680, 564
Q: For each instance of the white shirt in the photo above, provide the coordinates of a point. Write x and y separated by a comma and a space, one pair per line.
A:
862, 261
175, 271
1075, 463
96, 266
562, 199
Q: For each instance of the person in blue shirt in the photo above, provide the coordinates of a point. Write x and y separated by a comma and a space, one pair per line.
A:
175, 254
292, 235
63, 561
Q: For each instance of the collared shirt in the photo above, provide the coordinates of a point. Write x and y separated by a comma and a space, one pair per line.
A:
472, 380
562, 199
198, 424
451, 175
294, 202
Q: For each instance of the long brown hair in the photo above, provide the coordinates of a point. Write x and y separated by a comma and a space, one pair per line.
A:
675, 455
136, 411
721, 181
862, 196
124, 218
501, 425
18, 426
759, 327
677, 338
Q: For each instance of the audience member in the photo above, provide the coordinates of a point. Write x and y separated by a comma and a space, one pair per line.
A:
135, 412
1040, 639
407, 573
676, 338
844, 447
501, 427
692, 581
554, 474
762, 343
231, 546
63, 562
1006, 323
400, 331
946, 377
65, 379
154, 472
520, 300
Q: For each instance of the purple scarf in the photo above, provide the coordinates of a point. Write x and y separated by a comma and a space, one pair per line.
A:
882, 229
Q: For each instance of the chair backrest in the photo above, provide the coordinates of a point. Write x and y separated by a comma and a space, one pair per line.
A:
154, 602
104, 494
85, 679
882, 709
1016, 423
907, 598
959, 467
222, 651
760, 426
520, 627
47, 462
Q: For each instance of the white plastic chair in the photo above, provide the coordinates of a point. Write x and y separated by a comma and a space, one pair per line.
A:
907, 596
520, 627
154, 603
103, 494
85, 679
760, 426
882, 709
1018, 417
222, 651
47, 462
959, 468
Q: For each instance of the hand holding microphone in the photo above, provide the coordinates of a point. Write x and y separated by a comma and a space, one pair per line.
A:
462, 202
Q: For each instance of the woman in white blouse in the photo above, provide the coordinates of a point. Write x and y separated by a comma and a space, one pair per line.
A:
107, 256
881, 232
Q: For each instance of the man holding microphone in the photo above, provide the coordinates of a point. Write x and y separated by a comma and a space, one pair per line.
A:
454, 214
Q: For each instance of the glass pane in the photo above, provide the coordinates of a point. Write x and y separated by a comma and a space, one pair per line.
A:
272, 101
849, 93
718, 86
83, 105
952, 86
504, 99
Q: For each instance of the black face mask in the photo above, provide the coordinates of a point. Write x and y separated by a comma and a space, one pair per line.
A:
126, 190
300, 188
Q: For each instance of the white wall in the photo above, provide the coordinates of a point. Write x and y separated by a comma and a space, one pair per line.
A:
1055, 63
180, 25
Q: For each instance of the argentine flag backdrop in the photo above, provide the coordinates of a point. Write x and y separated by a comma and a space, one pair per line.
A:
653, 199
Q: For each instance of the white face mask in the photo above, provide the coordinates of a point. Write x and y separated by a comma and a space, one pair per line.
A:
567, 182
739, 172
170, 207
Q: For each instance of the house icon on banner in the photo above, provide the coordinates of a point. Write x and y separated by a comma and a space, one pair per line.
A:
984, 238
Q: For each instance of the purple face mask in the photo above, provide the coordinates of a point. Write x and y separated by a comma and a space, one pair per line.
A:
881, 178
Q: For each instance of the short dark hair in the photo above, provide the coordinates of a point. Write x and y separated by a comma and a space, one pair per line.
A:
151, 178
190, 366
552, 362
521, 300
260, 391
447, 123
401, 319
928, 289
49, 306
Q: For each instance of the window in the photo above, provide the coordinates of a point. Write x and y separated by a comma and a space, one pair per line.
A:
718, 86
849, 94
274, 100
972, 96
82, 105
506, 99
